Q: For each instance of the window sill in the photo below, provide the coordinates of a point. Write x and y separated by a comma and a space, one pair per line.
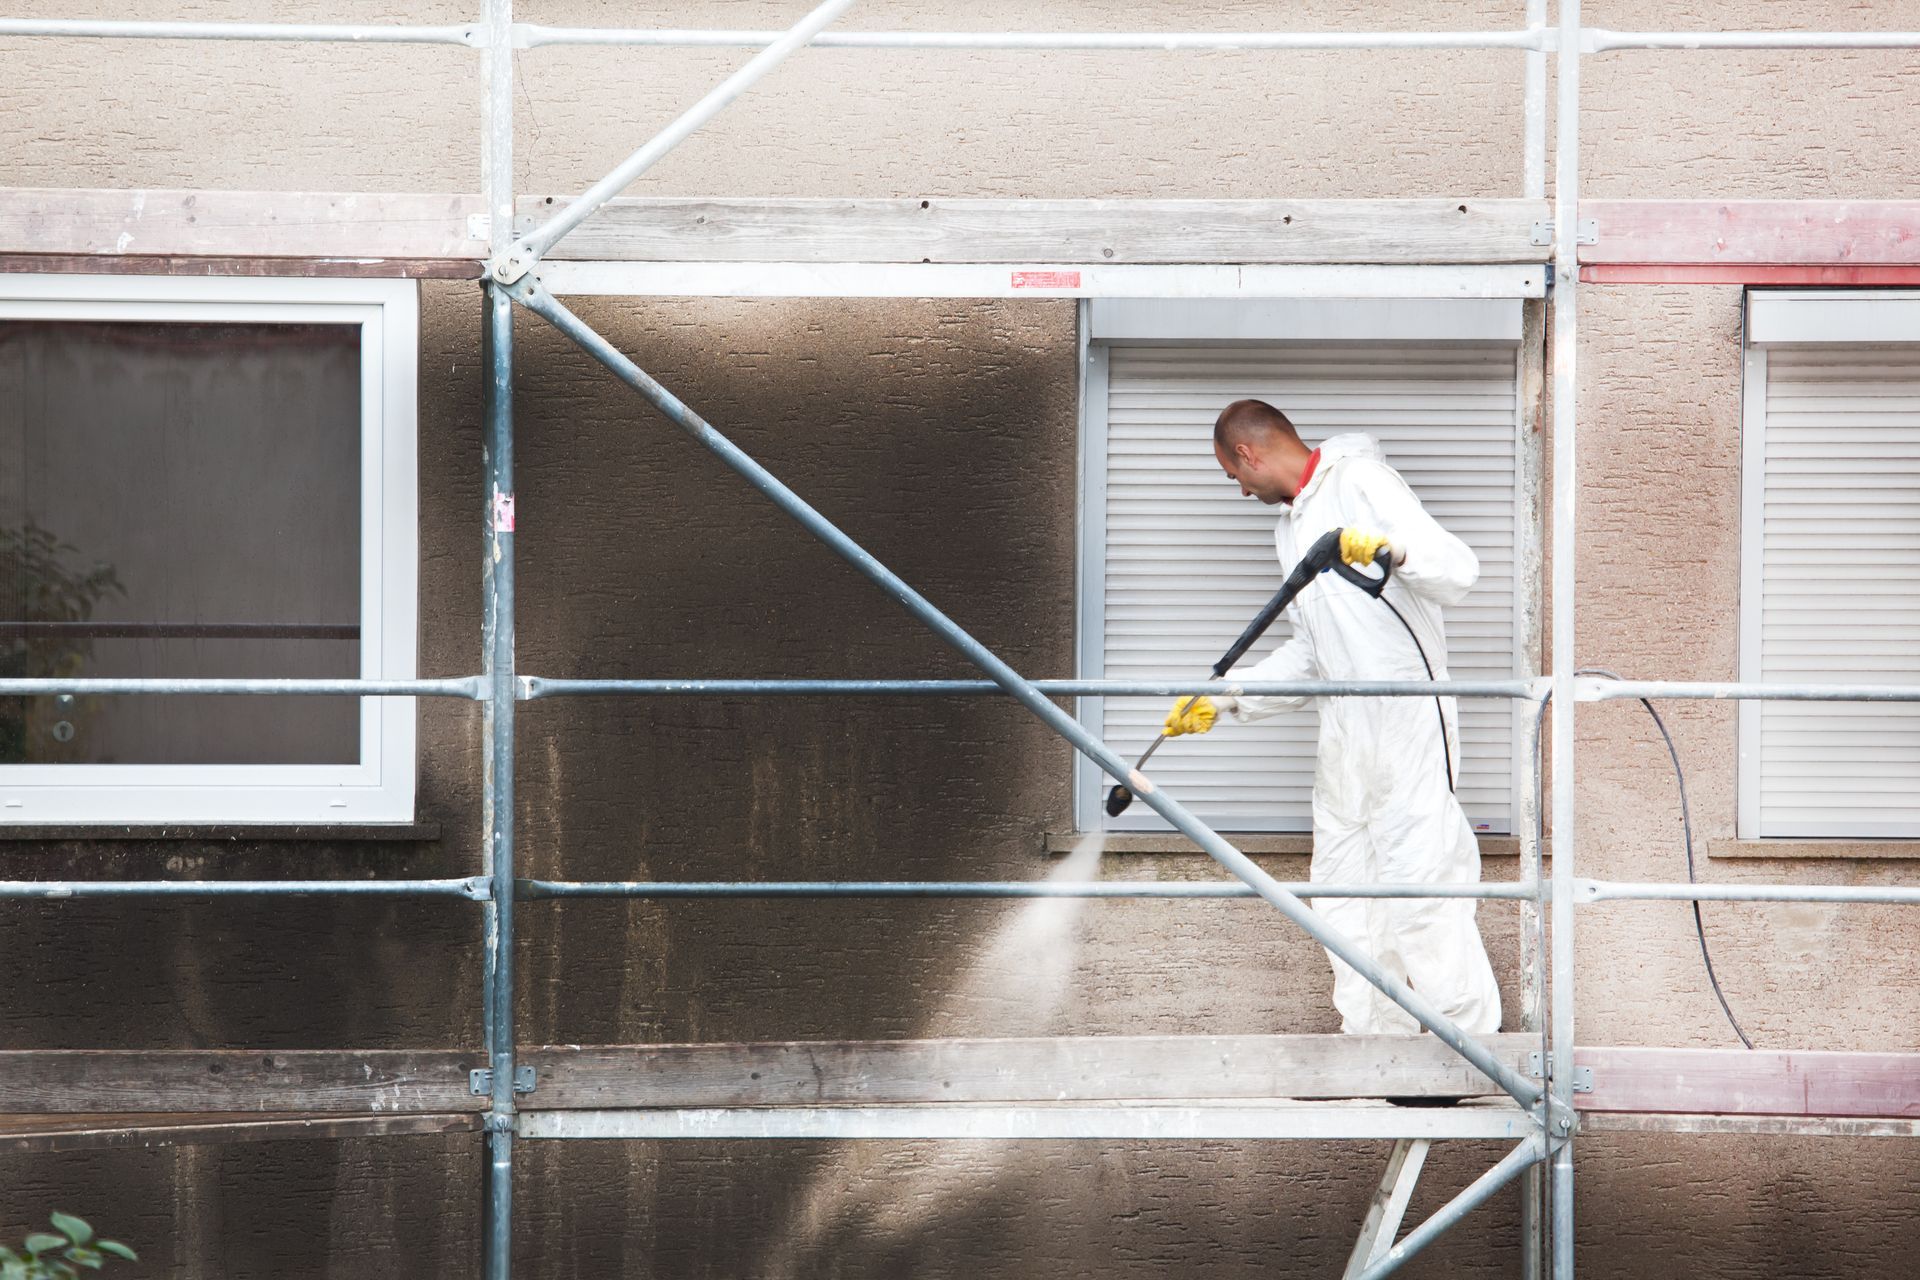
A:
1259, 842
264, 833
1783, 848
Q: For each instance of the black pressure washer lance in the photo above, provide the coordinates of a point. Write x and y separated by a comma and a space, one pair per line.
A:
1323, 555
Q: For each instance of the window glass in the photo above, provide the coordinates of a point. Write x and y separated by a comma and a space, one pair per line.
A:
179, 499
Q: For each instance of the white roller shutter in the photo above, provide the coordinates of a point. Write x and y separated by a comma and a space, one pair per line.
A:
1831, 588
1185, 561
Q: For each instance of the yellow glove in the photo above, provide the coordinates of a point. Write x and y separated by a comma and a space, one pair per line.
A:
1358, 549
1191, 715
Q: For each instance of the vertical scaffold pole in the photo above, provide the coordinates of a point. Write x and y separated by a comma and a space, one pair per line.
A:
498, 641
1566, 277
1533, 140
1533, 176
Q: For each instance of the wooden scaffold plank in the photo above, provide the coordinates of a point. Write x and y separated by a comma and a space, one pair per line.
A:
1780, 242
1758, 1082
1096, 232
298, 232
393, 1081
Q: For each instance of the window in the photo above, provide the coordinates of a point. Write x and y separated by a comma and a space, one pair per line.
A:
207, 478
1174, 562
1830, 562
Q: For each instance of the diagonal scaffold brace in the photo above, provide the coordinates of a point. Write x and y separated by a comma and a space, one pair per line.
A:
524, 253
1531, 1151
529, 293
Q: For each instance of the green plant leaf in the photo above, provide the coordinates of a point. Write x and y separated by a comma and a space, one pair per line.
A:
13, 1269
77, 1230
85, 1257
117, 1249
40, 1242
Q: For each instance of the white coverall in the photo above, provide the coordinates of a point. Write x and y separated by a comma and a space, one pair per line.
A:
1382, 805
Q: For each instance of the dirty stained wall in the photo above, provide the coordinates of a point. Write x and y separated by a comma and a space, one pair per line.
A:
942, 435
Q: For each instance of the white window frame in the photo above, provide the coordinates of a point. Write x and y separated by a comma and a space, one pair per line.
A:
1139, 321
380, 787
1796, 317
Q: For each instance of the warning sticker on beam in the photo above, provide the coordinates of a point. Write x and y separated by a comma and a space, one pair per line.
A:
1046, 279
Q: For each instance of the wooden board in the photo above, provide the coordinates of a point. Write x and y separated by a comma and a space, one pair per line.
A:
1095, 232
1781, 1083
123, 1131
168, 1080
299, 268
1788, 1082
1845, 233
1738, 274
1065, 1069
802, 1073
242, 224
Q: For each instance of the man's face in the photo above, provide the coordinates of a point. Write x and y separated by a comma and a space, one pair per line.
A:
1257, 478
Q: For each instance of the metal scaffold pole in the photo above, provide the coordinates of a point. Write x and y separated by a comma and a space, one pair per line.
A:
498, 645
1533, 183
1557, 1112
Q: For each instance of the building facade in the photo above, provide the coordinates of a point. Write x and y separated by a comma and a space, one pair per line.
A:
1737, 447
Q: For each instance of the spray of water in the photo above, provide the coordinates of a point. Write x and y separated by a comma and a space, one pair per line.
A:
875, 1199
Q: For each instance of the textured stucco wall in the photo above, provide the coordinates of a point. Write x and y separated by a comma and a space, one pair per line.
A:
942, 435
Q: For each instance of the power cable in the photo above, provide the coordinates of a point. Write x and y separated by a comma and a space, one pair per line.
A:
1686, 827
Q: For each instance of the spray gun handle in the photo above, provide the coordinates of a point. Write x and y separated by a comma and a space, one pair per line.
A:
1382, 559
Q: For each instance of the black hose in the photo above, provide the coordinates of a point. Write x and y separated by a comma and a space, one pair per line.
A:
1446, 751
1686, 827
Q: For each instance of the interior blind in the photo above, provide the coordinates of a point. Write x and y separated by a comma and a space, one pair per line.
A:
1188, 561
1839, 548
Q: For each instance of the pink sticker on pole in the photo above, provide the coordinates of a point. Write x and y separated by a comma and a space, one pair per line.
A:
503, 513
1046, 279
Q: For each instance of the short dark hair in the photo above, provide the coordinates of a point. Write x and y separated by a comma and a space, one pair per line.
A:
1246, 420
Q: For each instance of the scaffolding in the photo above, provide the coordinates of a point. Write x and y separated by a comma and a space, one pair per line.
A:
1524, 1084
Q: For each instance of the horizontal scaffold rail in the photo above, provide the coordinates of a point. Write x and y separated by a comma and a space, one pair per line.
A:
535, 687
1244, 1121
470, 687
524, 35
535, 889
1584, 891
479, 888
528, 35
472, 888
1251, 282
545, 687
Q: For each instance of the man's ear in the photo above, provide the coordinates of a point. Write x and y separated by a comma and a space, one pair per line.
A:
1244, 454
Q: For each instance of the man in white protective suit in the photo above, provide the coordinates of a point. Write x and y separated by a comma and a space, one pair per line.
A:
1383, 802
